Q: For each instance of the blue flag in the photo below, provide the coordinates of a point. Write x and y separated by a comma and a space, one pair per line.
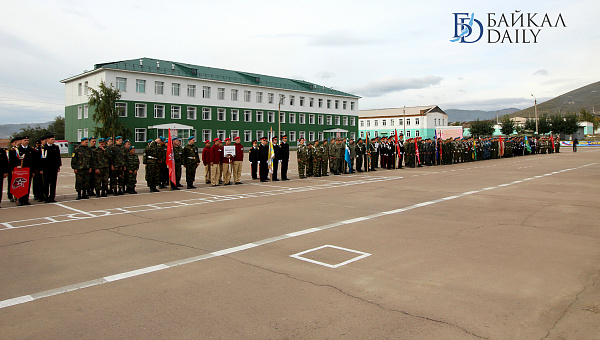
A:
347, 157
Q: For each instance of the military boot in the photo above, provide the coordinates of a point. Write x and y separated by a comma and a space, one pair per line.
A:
97, 193
132, 191
104, 193
85, 195
78, 195
120, 192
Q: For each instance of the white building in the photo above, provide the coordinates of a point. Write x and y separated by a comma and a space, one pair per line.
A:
417, 121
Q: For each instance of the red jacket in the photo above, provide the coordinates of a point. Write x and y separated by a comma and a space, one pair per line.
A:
206, 155
239, 152
215, 154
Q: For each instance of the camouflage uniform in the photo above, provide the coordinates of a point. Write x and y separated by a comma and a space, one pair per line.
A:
325, 159
153, 153
82, 162
310, 152
133, 165
101, 166
302, 155
332, 157
117, 162
191, 161
178, 156
317, 160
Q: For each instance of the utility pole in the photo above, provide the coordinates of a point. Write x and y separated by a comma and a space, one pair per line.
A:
536, 116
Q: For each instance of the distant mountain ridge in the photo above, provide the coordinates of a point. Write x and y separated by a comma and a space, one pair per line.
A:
7, 129
586, 97
457, 115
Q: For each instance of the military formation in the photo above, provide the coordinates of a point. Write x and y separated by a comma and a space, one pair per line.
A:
111, 167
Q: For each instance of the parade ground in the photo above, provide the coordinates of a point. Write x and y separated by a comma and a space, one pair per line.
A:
495, 249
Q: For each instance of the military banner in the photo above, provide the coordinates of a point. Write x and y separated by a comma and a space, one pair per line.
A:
171, 160
20, 182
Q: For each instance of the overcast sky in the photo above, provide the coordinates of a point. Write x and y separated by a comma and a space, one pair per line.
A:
392, 53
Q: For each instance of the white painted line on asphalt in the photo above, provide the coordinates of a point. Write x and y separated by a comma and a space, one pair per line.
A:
146, 270
299, 257
77, 210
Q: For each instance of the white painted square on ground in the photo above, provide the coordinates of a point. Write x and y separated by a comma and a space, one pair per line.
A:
361, 255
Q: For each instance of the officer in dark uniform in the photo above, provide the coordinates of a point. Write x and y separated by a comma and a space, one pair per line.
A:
284, 154
263, 156
50, 167
24, 156
276, 159
253, 158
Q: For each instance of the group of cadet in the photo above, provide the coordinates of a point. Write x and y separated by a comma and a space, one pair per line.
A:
43, 161
109, 168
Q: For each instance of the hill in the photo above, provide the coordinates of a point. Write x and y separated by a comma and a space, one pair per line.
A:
586, 97
457, 115
7, 129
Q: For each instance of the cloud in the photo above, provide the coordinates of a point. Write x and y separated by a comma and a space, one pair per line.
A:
325, 75
387, 85
541, 72
340, 39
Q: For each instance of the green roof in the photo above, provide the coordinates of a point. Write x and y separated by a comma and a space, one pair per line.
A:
203, 72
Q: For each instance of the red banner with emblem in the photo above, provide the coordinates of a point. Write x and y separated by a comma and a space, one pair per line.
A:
171, 160
20, 182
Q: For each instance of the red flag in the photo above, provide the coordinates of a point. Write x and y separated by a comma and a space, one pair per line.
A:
397, 144
552, 141
171, 160
20, 182
417, 152
501, 142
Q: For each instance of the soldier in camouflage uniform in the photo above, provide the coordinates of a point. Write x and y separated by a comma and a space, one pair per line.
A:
133, 165
310, 153
352, 148
332, 157
92, 146
178, 157
153, 152
117, 166
317, 159
191, 160
101, 164
82, 166
302, 155
339, 157
325, 160
162, 163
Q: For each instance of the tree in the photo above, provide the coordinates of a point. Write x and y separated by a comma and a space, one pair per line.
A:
507, 125
544, 126
103, 101
586, 116
558, 123
482, 128
34, 133
570, 124
57, 127
529, 124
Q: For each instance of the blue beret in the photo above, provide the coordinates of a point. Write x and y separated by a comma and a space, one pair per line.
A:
118, 137
92, 138
161, 138
149, 141
131, 147
109, 138
84, 138
191, 137
175, 138
102, 140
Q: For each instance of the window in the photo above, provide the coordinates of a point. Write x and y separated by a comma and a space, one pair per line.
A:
407, 121
159, 111
320, 135
221, 116
191, 92
271, 98
79, 92
400, 121
122, 84
345, 121
159, 87
392, 122
140, 86
234, 133
259, 116
282, 132
270, 117
321, 119
282, 117
207, 134
368, 123
247, 136
320, 103
344, 105
302, 134
416, 133
337, 104
247, 115
329, 120
292, 136
408, 133
376, 134
311, 135
311, 119
301, 101
329, 103
351, 105
353, 121
311, 101
206, 113
362, 134
121, 109
259, 97
301, 118
259, 134
292, 98
282, 99
235, 115
86, 111
375, 122
140, 110
191, 113
337, 120
140, 135
221, 134
85, 133
85, 88
206, 92
292, 119
362, 123
383, 122
416, 121
175, 89
247, 95
234, 94
221, 93
79, 134
79, 113
175, 112
353, 135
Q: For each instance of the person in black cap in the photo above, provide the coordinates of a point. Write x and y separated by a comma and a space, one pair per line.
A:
276, 159
263, 156
50, 167
38, 181
284, 155
24, 156
253, 158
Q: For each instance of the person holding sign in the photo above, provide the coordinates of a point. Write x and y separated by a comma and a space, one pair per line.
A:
228, 154
23, 162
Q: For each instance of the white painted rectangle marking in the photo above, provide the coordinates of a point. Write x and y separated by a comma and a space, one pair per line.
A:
15, 301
